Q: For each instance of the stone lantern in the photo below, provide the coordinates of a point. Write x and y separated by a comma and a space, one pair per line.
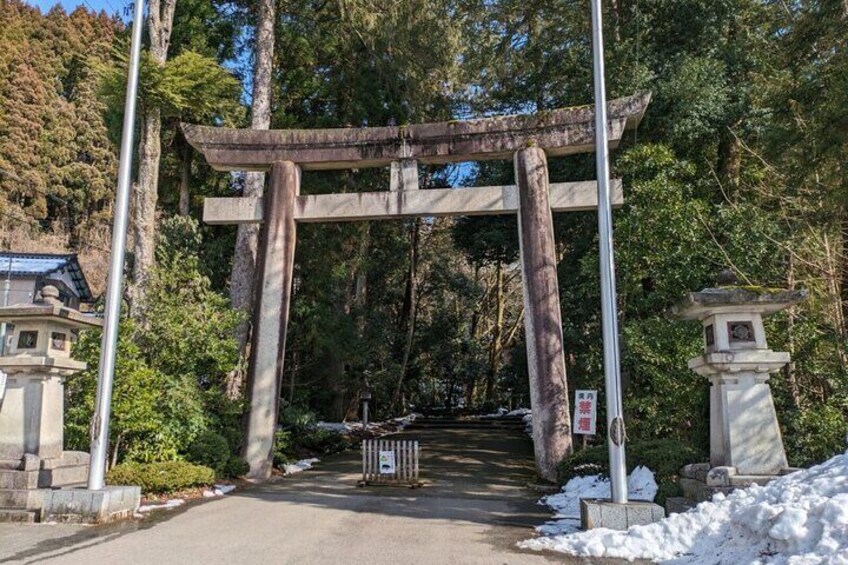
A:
36, 364
746, 445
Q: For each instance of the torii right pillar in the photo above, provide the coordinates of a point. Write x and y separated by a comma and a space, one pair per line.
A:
542, 317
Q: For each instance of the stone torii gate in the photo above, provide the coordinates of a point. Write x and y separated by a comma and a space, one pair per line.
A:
527, 139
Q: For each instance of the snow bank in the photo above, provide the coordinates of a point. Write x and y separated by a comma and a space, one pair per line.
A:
301, 465
799, 519
566, 504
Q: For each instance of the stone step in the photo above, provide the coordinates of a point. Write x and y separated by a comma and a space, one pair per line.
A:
441, 423
63, 476
18, 516
14, 479
22, 499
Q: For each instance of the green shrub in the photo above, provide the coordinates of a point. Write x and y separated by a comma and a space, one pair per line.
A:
282, 448
212, 450
664, 457
161, 477
297, 417
815, 435
236, 467
322, 441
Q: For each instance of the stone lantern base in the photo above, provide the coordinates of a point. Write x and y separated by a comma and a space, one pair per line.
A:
700, 482
69, 469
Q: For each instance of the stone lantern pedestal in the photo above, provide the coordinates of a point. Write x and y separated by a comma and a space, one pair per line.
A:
746, 445
33, 463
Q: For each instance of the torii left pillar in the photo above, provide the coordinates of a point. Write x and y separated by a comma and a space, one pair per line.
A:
270, 320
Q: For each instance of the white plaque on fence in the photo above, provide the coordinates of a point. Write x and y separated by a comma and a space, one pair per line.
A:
2, 385
585, 410
387, 462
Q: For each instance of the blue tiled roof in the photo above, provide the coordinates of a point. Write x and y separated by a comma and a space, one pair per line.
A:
41, 264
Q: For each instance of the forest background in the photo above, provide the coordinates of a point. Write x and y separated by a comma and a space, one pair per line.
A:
740, 162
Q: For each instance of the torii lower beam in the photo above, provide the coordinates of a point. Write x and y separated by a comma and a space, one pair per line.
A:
528, 140
357, 206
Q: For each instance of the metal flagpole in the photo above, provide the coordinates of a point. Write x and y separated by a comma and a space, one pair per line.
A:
106, 370
612, 373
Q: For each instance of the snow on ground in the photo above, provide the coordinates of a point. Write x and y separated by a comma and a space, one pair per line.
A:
219, 490
566, 504
301, 465
525, 413
380, 428
337, 427
503, 413
173, 503
798, 519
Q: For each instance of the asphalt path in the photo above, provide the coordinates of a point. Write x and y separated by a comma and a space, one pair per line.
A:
475, 505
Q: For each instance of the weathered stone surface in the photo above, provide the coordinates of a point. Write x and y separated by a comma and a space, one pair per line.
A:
599, 513
542, 318
695, 471
719, 476
559, 132
677, 505
698, 305
698, 491
274, 282
15, 479
83, 506
472, 201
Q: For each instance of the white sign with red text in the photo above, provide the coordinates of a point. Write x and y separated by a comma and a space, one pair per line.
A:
585, 410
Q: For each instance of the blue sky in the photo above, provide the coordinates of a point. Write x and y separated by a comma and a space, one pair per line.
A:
109, 5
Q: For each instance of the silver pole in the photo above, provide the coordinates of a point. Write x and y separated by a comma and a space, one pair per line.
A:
7, 285
612, 373
114, 289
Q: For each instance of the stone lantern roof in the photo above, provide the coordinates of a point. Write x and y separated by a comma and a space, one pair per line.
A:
51, 309
730, 299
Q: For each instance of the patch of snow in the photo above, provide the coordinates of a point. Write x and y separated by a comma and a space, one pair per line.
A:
528, 424
224, 489
504, 413
798, 519
301, 465
168, 505
337, 427
566, 504
219, 490
406, 420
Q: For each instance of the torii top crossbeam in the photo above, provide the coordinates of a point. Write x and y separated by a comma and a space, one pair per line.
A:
559, 132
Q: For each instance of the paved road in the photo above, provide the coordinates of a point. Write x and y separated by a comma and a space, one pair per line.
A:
474, 508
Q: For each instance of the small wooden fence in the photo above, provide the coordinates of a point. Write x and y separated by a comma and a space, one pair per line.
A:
392, 462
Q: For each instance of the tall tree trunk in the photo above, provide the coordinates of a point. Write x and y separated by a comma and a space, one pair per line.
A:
160, 18
185, 176
411, 303
792, 314
729, 159
837, 300
244, 259
496, 347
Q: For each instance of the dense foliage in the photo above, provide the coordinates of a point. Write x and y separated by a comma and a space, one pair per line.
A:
168, 384
739, 162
